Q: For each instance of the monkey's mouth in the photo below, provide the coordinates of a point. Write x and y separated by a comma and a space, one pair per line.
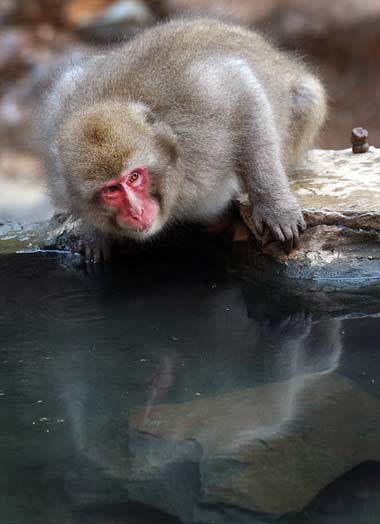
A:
135, 226
144, 228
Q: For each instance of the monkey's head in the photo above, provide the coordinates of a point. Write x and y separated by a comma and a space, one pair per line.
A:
117, 163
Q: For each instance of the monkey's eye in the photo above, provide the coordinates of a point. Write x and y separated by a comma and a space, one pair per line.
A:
134, 177
108, 190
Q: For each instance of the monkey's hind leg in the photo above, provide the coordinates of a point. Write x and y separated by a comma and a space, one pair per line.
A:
309, 109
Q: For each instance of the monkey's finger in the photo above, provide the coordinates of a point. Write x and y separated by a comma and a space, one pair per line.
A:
276, 232
302, 224
258, 223
296, 237
87, 253
267, 237
97, 256
287, 232
80, 247
289, 239
288, 246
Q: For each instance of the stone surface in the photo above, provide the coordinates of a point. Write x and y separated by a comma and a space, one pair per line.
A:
345, 183
339, 192
339, 188
16, 237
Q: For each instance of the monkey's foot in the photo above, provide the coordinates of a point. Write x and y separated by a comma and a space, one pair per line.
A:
279, 222
95, 248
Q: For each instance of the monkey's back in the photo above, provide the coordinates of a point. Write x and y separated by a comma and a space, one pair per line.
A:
154, 67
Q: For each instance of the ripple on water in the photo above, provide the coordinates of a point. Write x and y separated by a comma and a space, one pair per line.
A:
73, 305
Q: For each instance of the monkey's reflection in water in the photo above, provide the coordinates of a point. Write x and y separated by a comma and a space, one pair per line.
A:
226, 381
294, 347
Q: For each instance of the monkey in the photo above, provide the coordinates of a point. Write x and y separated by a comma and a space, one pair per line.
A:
172, 125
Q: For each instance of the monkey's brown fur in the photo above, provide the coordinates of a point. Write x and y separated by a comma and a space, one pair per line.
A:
205, 105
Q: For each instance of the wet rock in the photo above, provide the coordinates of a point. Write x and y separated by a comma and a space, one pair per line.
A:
15, 237
340, 181
339, 192
338, 188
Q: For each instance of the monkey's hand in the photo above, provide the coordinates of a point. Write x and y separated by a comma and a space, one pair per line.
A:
279, 221
95, 247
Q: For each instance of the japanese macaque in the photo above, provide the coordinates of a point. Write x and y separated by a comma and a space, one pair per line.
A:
171, 126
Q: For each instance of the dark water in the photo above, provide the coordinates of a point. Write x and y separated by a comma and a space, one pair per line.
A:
167, 390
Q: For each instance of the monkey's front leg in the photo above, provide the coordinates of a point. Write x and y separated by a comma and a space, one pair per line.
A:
278, 219
276, 212
95, 246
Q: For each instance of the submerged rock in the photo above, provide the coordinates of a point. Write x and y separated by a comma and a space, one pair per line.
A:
251, 441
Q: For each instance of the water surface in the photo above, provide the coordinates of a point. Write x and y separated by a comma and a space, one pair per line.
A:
168, 390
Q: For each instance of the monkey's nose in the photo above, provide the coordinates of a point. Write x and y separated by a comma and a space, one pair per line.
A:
137, 213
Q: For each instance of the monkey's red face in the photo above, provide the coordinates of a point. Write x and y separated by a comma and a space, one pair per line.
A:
129, 195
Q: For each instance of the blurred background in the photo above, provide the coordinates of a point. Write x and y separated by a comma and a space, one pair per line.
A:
341, 38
